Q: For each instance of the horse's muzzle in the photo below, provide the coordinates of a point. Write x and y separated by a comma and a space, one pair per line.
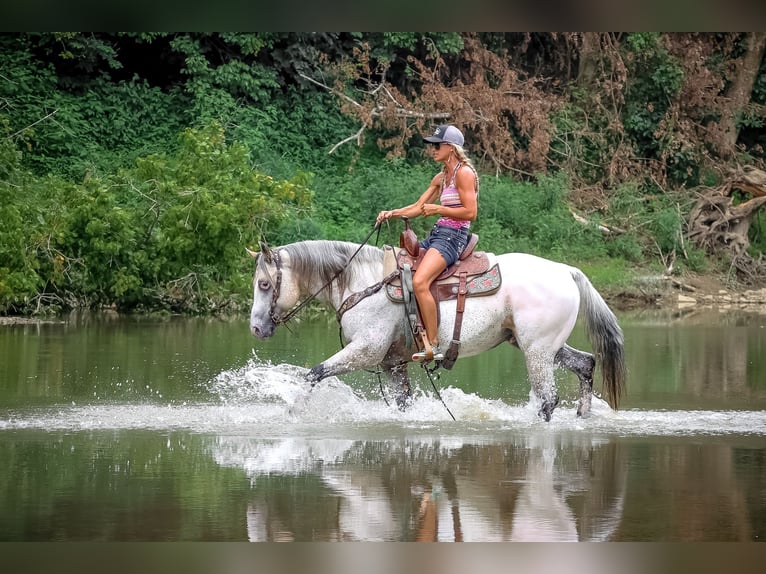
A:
262, 332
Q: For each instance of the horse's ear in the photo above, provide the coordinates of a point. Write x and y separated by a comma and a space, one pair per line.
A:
251, 253
266, 250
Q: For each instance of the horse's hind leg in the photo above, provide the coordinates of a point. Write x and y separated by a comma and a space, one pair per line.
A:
540, 372
582, 365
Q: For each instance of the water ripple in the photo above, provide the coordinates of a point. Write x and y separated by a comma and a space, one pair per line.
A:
274, 400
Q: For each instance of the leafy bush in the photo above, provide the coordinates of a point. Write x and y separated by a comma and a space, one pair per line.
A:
84, 130
169, 232
535, 218
102, 202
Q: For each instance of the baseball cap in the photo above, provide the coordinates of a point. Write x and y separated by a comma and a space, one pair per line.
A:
446, 134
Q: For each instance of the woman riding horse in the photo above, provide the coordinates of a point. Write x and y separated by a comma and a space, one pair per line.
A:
457, 186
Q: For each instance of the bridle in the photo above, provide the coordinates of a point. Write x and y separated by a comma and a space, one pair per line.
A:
276, 284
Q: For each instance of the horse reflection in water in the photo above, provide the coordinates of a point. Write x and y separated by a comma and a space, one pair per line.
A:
535, 309
431, 491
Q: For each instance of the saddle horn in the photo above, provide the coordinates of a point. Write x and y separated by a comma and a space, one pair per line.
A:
408, 240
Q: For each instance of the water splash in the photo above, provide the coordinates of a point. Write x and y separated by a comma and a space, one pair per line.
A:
276, 400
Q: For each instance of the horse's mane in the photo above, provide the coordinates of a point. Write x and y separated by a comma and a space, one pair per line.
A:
324, 259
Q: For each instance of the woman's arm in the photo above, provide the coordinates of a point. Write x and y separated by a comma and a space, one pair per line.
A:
415, 209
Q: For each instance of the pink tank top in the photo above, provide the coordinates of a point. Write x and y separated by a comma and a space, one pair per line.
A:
450, 197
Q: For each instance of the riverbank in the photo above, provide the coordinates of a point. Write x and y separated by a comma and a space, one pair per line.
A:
691, 291
649, 292
27, 320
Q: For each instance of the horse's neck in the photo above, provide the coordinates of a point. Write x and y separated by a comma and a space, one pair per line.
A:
362, 276
328, 296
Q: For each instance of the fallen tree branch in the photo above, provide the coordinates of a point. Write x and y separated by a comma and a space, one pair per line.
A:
750, 180
606, 230
720, 227
681, 286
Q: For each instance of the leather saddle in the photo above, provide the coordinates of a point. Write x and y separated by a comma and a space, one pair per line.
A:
470, 263
469, 276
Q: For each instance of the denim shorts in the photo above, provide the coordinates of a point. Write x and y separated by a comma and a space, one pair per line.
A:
448, 241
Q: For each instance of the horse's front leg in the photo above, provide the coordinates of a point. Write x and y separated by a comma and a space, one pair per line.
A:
400, 381
354, 356
371, 353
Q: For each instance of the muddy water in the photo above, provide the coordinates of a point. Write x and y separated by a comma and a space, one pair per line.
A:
187, 429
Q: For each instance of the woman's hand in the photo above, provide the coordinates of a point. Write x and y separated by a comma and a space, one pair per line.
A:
430, 209
384, 216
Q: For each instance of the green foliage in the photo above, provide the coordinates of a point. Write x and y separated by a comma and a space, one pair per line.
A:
655, 81
757, 234
616, 273
168, 232
441, 42
102, 202
534, 217
86, 51
70, 133
114, 124
390, 46
205, 203
17, 273
17, 279
347, 201
297, 130
656, 227
239, 76
759, 87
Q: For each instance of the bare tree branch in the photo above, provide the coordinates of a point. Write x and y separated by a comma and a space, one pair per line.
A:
357, 136
328, 88
377, 111
22, 130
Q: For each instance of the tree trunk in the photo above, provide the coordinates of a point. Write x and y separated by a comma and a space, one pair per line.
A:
590, 54
750, 180
722, 228
740, 90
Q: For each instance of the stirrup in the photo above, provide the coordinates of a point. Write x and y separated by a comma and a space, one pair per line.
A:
435, 355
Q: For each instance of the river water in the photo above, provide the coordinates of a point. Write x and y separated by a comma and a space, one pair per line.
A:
141, 429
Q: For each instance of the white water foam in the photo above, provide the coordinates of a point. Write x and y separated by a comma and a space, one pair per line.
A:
275, 400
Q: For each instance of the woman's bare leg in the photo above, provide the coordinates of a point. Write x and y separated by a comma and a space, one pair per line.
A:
429, 269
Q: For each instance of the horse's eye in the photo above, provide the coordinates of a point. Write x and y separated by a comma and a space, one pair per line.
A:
264, 285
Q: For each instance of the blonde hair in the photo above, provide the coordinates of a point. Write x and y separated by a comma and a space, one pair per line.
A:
463, 158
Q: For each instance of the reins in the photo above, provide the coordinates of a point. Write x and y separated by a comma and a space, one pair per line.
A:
429, 371
295, 310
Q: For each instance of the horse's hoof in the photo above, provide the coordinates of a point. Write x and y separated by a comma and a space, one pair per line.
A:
403, 400
546, 411
584, 406
583, 413
315, 375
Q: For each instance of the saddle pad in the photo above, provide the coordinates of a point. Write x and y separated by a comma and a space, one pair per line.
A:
484, 284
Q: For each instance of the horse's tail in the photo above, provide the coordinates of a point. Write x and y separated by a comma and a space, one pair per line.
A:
606, 337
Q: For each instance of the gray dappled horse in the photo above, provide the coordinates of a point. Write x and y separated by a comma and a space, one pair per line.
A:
535, 309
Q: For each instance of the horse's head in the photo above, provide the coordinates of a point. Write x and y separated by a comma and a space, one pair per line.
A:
275, 290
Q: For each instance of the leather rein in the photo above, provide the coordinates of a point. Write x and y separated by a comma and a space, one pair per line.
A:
347, 304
